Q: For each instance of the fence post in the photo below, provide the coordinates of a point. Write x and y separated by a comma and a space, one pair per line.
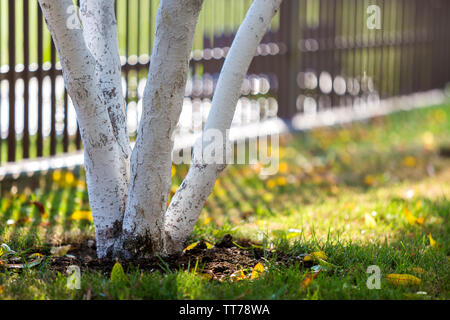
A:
12, 80
287, 72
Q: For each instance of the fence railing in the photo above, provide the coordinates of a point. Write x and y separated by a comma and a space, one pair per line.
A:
317, 55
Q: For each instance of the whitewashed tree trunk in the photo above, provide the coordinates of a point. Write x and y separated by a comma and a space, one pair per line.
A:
128, 191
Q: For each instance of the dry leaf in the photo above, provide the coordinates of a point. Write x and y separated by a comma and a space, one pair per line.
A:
433, 242
402, 279
410, 217
38, 206
309, 278
238, 276
82, 215
420, 220
257, 270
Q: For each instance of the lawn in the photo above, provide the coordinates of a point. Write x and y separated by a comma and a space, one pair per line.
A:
345, 198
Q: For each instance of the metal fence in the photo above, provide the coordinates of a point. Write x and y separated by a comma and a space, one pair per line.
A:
317, 55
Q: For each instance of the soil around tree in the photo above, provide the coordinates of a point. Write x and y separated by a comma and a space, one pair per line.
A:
219, 261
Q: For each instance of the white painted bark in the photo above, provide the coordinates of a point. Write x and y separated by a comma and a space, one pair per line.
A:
100, 34
189, 199
163, 97
104, 172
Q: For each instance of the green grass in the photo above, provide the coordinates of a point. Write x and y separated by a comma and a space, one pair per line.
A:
329, 180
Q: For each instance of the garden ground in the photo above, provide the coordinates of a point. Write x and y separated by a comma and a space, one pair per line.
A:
345, 198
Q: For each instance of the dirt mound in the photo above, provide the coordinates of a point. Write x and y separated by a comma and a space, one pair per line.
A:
219, 261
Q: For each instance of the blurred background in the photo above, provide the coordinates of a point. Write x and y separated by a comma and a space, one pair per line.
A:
317, 57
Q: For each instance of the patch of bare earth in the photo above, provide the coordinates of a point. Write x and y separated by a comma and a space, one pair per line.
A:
220, 261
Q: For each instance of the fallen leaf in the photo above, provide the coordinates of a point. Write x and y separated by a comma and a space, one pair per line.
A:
402, 279
433, 242
410, 217
257, 270
191, 246
319, 255
238, 276
309, 278
420, 220
206, 221
38, 206
409, 161
82, 215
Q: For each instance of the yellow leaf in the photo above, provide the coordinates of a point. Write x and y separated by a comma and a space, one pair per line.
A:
268, 197
306, 282
410, 217
1, 289
271, 183
206, 221
81, 215
433, 242
402, 279
369, 180
291, 235
369, 221
208, 245
420, 220
238, 276
69, 178
309, 278
57, 175
191, 246
117, 273
409, 161
281, 181
257, 270
283, 167
174, 170
319, 255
